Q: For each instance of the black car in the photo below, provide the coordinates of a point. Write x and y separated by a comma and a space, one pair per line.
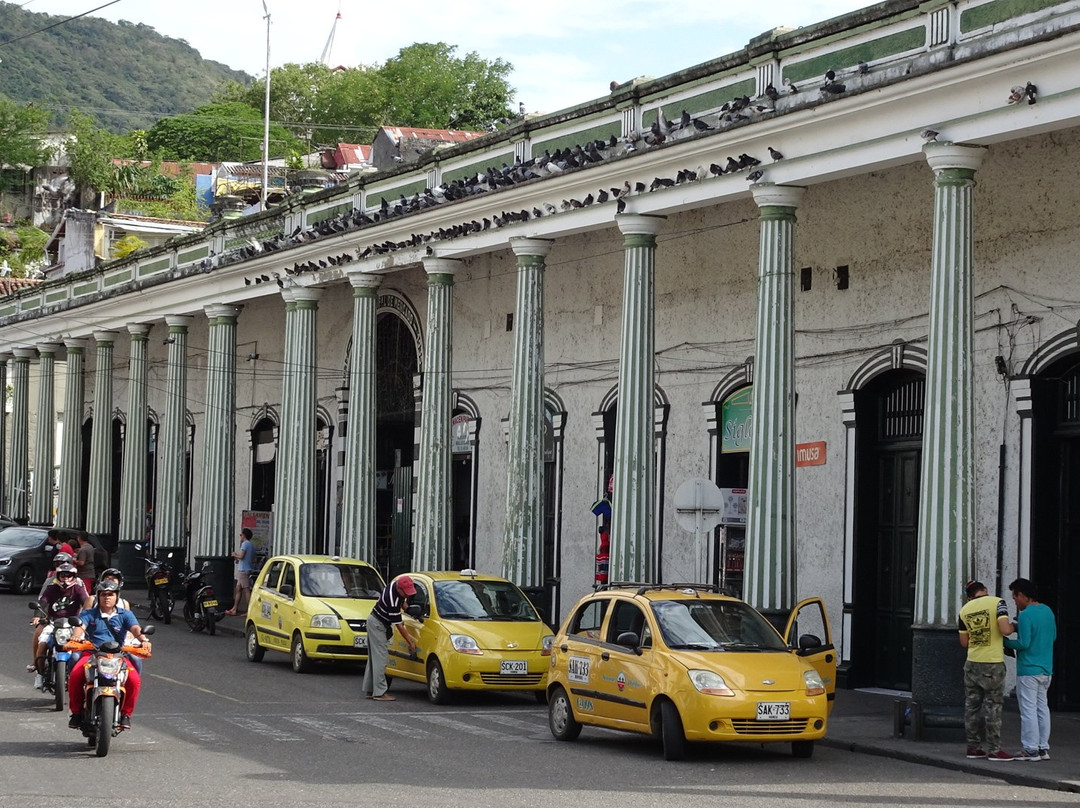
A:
6, 521
25, 558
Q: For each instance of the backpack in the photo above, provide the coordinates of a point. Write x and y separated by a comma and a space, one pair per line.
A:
101, 560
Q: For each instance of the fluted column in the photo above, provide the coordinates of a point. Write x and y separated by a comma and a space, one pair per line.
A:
99, 495
19, 462
947, 480
133, 480
169, 511
769, 582
294, 486
431, 533
358, 498
215, 535
69, 500
4, 357
41, 512
633, 509
523, 535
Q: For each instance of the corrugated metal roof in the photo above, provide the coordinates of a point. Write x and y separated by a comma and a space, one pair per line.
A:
399, 133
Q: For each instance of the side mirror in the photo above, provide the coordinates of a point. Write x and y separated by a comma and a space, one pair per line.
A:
629, 639
415, 610
34, 605
148, 630
808, 642
287, 590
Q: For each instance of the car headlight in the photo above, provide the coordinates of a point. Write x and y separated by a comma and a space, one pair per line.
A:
814, 685
325, 621
4, 562
545, 645
464, 644
710, 682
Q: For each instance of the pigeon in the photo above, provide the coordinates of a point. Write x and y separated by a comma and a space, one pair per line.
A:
833, 88
701, 126
620, 206
929, 135
864, 68
1018, 93
754, 176
716, 169
830, 76
791, 86
771, 92
774, 154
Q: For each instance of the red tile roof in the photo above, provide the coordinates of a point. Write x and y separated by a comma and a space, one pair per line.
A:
9, 286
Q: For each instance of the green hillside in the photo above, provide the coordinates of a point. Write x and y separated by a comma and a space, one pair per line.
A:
126, 75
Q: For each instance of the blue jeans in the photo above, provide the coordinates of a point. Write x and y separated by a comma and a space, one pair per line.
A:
1034, 711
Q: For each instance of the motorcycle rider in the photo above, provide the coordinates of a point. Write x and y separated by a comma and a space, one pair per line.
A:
65, 597
59, 560
104, 623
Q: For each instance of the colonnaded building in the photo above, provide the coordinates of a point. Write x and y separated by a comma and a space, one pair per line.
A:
858, 238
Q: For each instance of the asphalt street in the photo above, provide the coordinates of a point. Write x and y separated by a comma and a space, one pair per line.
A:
214, 729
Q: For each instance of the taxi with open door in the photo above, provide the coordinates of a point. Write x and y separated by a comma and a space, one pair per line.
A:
472, 632
685, 663
311, 608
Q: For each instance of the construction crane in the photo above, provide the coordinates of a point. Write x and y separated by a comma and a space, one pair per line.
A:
327, 51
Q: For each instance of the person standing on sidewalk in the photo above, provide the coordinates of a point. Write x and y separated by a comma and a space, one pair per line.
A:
245, 565
984, 620
1036, 631
380, 628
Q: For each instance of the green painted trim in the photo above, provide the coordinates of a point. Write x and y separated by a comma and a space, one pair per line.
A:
30, 303
704, 102
997, 11
178, 329
365, 291
777, 213
85, 289
579, 138
393, 195
633, 241
115, 278
57, 296
152, 267
224, 319
8, 311
440, 279
947, 177
305, 305
193, 255
530, 261
77, 351
901, 42
479, 167
328, 213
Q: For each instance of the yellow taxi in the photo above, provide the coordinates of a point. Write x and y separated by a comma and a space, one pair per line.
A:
312, 608
472, 632
685, 663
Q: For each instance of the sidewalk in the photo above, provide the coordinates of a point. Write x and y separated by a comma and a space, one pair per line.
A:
862, 721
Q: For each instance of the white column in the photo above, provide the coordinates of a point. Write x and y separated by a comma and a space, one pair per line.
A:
69, 503
171, 508
99, 496
133, 499
19, 463
41, 506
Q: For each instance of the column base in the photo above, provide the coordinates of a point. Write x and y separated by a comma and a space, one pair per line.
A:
937, 674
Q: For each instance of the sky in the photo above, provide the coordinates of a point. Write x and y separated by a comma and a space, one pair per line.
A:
564, 52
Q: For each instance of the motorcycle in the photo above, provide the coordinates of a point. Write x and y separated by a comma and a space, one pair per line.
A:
105, 689
159, 578
201, 608
54, 671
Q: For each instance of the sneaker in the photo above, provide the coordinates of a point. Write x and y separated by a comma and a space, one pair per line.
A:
75, 722
974, 752
1028, 754
1044, 754
999, 755
39, 681
125, 722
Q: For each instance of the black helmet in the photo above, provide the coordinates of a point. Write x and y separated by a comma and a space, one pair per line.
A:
106, 585
113, 572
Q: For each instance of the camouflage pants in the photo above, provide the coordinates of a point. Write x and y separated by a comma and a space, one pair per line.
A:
984, 692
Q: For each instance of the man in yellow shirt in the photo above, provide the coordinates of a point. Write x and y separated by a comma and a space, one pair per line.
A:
984, 620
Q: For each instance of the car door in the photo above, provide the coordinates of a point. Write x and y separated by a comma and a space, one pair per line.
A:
625, 677
422, 629
265, 609
808, 632
580, 649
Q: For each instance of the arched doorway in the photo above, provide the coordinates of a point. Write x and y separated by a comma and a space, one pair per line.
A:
464, 464
324, 439
888, 455
263, 462
1055, 513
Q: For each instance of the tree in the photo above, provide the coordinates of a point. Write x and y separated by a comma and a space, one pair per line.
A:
90, 150
22, 129
429, 87
216, 133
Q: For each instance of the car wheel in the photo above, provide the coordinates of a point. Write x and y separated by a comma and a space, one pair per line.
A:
300, 661
24, 580
671, 732
802, 749
561, 721
254, 651
436, 683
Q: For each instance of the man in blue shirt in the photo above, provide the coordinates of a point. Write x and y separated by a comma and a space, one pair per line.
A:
1036, 631
245, 566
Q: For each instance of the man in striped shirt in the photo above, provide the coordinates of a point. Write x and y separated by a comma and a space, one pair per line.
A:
380, 628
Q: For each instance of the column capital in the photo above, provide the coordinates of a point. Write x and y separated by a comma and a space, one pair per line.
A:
139, 330
365, 280
216, 310
102, 337
48, 347
179, 321
638, 224
75, 343
24, 353
954, 155
300, 294
434, 265
531, 246
766, 194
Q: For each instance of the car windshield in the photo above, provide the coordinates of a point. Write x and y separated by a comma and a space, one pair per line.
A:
20, 537
339, 581
714, 625
483, 600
